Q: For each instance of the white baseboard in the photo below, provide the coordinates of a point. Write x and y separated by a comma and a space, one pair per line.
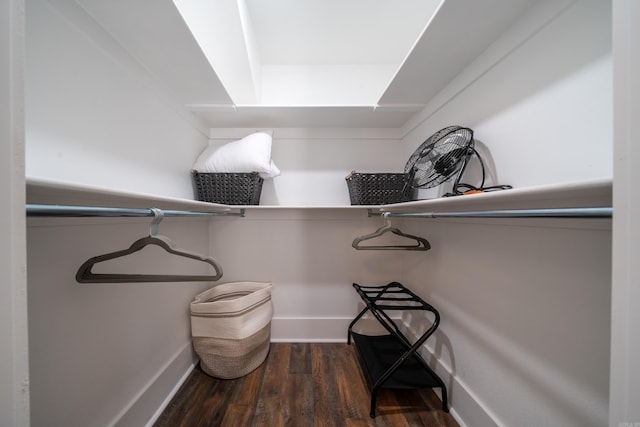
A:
172, 393
297, 329
153, 398
322, 329
464, 405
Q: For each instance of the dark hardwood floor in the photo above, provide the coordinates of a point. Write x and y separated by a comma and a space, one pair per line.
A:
300, 384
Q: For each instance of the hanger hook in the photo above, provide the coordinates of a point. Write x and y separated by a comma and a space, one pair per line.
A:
158, 215
387, 221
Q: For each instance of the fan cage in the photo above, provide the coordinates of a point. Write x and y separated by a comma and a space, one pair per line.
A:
440, 157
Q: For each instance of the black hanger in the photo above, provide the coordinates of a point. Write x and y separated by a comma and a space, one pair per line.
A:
420, 245
85, 275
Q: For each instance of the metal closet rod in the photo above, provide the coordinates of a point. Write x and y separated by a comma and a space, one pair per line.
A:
40, 210
595, 212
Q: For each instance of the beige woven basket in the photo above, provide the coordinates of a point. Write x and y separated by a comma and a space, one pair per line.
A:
231, 328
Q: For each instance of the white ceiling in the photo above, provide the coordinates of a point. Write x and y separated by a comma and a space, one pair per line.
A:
362, 35
337, 32
306, 52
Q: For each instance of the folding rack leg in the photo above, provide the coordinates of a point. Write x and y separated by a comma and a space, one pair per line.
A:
353, 322
374, 394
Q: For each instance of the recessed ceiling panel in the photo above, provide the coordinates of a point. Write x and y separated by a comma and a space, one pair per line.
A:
337, 32
154, 33
460, 31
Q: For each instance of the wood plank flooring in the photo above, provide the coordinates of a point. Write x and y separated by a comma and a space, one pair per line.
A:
300, 384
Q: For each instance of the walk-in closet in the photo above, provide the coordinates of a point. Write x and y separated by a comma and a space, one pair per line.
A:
109, 104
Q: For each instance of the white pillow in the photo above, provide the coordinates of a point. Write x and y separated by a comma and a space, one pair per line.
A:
273, 171
249, 154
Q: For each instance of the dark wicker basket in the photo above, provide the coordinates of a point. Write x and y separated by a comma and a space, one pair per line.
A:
378, 188
228, 188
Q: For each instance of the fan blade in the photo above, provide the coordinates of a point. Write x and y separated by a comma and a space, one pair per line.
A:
450, 162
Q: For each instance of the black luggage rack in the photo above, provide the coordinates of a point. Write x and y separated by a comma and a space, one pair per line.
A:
392, 361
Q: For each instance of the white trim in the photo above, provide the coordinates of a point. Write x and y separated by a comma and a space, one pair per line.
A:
624, 392
319, 329
301, 329
170, 396
309, 133
14, 352
152, 395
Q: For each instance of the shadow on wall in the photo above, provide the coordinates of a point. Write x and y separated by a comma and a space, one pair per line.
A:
525, 316
473, 174
556, 388
414, 324
572, 41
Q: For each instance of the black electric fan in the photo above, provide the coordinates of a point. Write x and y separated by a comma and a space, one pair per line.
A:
443, 155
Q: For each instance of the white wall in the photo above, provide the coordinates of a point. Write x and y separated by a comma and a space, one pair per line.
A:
525, 307
235, 60
14, 375
308, 257
107, 353
315, 162
539, 99
325, 84
94, 116
307, 253
525, 333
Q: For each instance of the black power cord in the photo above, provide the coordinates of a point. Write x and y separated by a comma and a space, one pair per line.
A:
470, 189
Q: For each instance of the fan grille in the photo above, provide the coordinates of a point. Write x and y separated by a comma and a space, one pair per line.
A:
439, 157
